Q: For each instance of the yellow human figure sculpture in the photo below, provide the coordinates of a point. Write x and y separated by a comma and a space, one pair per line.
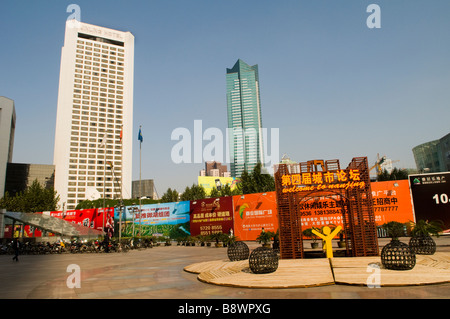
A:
327, 236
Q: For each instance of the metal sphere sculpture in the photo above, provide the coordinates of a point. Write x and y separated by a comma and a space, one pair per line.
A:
238, 251
397, 256
422, 245
263, 260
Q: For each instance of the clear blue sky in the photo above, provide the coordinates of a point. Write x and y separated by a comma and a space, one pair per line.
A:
333, 87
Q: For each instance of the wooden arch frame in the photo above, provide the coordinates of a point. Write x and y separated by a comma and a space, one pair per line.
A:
358, 214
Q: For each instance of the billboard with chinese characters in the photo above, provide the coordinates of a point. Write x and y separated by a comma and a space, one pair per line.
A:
430, 194
211, 182
327, 180
321, 212
252, 213
165, 219
211, 215
392, 202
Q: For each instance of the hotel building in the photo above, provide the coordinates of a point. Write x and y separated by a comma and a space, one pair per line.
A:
94, 115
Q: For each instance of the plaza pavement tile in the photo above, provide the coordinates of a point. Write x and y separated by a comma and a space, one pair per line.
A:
158, 273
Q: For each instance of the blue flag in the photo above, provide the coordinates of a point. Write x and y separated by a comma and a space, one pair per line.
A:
140, 138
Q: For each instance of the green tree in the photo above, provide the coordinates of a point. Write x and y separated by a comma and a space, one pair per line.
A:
396, 174
246, 184
193, 193
10, 203
214, 193
258, 181
225, 190
35, 198
171, 195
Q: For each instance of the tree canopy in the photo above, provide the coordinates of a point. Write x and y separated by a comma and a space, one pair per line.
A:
257, 181
193, 193
396, 174
35, 198
171, 195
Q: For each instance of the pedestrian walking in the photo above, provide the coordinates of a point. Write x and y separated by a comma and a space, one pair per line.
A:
16, 248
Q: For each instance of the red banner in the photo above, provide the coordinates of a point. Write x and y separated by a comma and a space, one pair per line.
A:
92, 218
211, 215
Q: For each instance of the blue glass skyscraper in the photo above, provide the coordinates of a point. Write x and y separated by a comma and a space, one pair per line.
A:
244, 118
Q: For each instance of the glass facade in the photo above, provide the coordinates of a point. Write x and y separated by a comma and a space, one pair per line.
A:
434, 156
244, 118
426, 156
20, 176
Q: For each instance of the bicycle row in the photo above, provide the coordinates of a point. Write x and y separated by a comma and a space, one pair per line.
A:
76, 246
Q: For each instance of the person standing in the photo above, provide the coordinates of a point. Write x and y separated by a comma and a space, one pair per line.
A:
16, 248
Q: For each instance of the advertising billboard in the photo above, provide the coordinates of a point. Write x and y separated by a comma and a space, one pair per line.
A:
321, 212
252, 213
92, 218
430, 194
391, 202
165, 219
211, 182
211, 215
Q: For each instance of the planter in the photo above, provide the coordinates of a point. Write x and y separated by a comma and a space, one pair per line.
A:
314, 245
342, 244
238, 251
422, 245
398, 256
263, 260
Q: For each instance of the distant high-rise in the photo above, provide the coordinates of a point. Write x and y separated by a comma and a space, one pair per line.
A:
213, 168
433, 156
94, 115
7, 129
244, 118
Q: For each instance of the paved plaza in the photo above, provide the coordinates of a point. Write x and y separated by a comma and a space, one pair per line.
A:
159, 273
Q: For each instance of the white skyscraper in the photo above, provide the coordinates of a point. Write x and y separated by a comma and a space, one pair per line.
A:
95, 112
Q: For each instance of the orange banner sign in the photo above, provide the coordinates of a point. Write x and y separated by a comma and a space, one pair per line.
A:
252, 213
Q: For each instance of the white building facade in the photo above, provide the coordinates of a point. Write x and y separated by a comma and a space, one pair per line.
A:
94, 114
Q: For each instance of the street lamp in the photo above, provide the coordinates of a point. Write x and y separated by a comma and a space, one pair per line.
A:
134, 215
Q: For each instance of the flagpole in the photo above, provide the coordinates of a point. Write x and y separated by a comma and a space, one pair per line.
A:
121, 199
103, 142
140, 181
